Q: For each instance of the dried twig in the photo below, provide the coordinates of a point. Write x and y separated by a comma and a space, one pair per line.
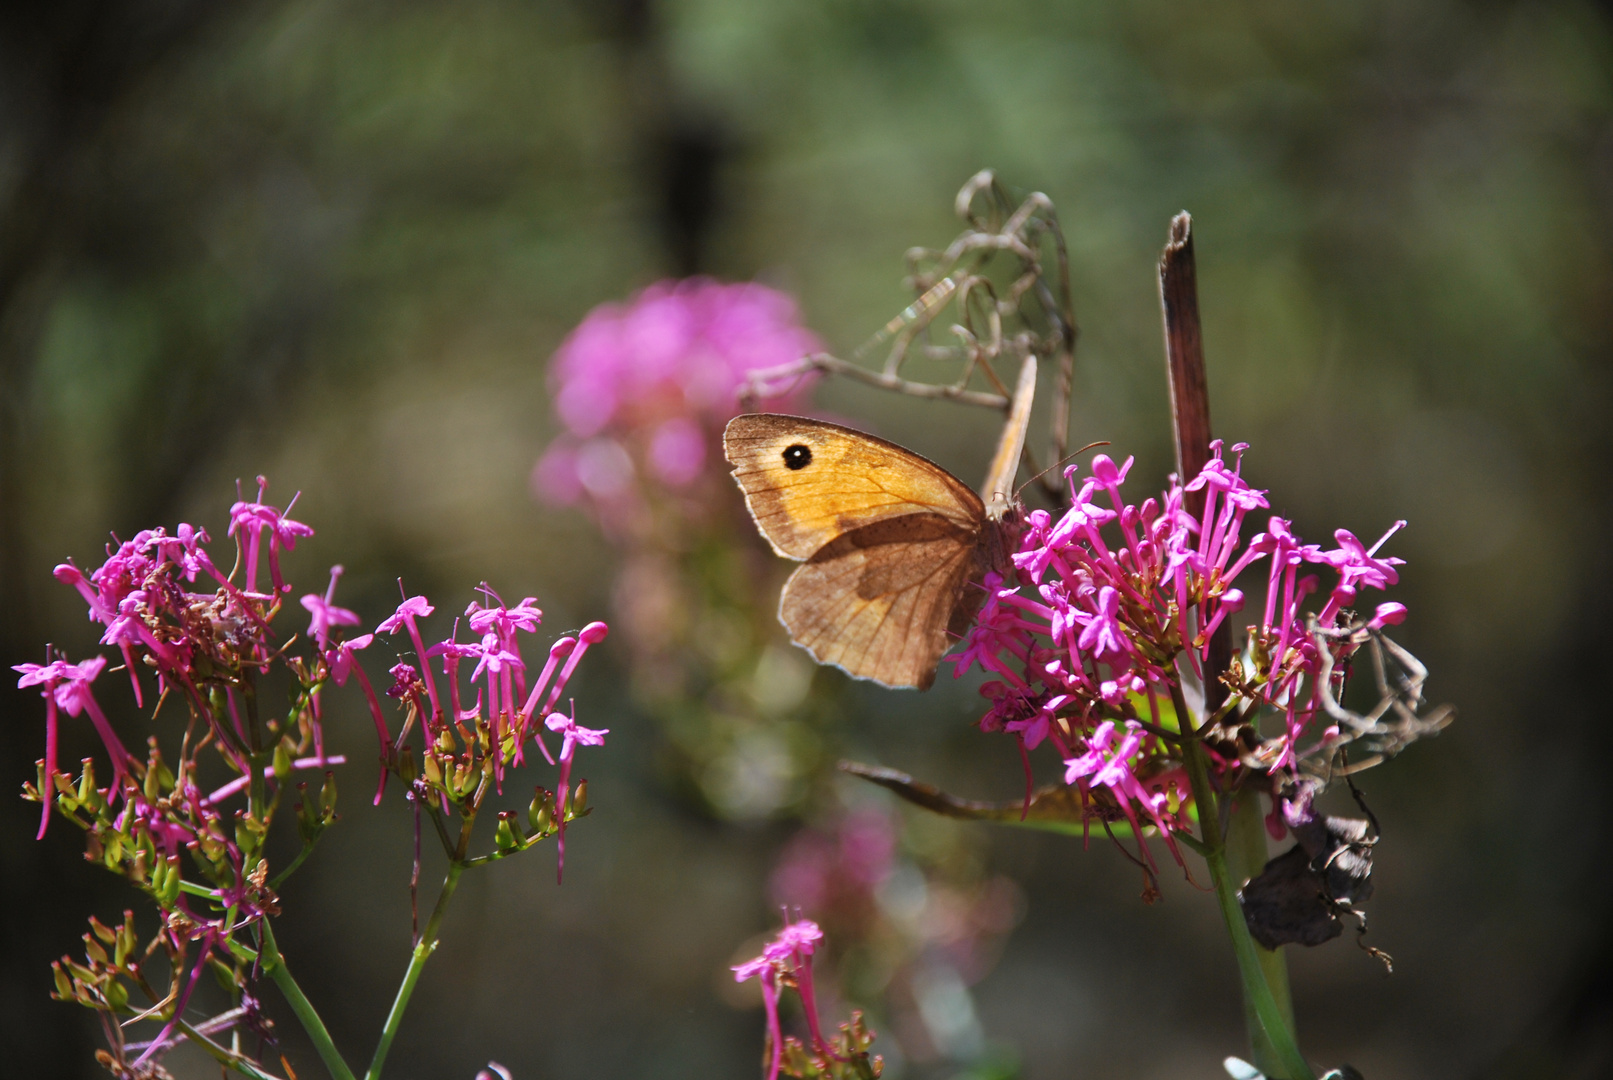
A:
1190, 408
1393, 723
996, 325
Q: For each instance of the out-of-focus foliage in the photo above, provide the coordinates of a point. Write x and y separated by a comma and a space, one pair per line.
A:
344, 239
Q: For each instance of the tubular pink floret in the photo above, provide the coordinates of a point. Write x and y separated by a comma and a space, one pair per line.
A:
559, 651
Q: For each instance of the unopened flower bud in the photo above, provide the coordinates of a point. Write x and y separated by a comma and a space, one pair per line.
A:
508, 835
168, 891
86, 786
593, 633
540, 815
126, 940
116, 994
579, 798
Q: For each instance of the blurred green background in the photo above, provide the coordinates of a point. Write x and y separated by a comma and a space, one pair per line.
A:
336, 243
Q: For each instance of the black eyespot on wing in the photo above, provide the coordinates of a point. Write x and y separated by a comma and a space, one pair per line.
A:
797, 457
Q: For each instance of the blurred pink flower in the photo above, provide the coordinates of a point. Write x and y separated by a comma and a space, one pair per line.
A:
642, 387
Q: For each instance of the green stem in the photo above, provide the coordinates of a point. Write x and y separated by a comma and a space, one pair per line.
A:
1245, 858
307, 849
422, 952
1257, 992
225, 1056
275, 965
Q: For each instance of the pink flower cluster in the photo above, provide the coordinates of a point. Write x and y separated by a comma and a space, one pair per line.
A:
1113, 599
504, 704
206, 649
189, 638
643, 387
787, 960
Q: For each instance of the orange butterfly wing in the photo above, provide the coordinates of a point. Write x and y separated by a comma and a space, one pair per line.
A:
890, 539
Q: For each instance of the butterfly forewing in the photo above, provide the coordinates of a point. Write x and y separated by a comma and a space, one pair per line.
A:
807, 482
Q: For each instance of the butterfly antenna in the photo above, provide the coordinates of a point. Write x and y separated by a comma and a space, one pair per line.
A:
1060, 461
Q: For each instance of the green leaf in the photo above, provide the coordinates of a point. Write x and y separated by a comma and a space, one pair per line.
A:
1055, 808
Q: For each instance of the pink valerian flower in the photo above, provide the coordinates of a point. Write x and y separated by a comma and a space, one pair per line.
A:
643, 387
786, 961
46, 676
498, 626
252, 520
572, 735
413, 608
503, 699
1083, 647
343, 665
565, 655
67, 687
324, 614
141, 595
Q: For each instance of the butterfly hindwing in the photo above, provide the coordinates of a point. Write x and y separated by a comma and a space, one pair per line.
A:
877, 601
807, 482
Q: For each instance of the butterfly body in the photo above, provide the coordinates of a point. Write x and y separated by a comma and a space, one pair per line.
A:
890, 541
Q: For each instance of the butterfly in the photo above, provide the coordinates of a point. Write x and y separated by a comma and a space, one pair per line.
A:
890, 541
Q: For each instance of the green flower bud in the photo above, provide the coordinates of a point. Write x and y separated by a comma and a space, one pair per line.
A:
462, 778
156, 764
540, 815
327, 797
508, 835
168, 892
579, 800
224, 974
86, 785
282, 761
116, 994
